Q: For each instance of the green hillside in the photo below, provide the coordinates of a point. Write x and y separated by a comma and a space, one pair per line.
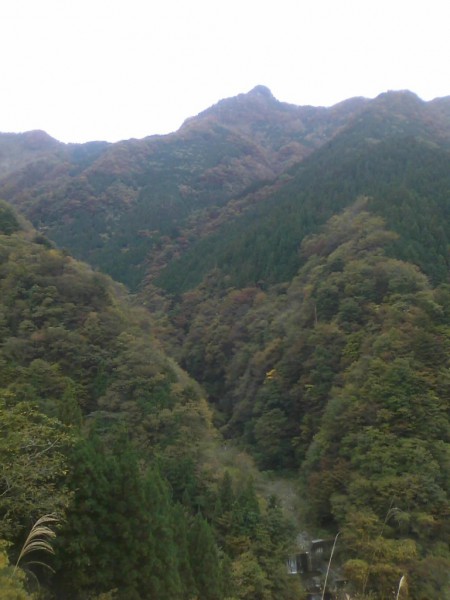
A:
105, 433
341, 375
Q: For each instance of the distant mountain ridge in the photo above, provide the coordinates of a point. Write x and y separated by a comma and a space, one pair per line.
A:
19, 149
395, 150
133, 207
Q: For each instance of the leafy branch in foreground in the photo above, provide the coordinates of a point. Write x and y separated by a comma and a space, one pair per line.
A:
33, 466
12, 583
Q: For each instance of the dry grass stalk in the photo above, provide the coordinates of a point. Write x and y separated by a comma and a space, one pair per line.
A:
402, 581
39, 538
329, 565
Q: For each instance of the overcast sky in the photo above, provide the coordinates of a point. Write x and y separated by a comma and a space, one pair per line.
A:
114, 69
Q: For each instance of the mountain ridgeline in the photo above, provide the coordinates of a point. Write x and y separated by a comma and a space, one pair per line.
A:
248, 177
291, 302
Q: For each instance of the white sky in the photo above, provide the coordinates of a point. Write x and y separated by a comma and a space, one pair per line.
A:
114, 69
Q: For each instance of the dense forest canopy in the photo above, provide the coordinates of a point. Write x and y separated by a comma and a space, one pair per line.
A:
289, 332
102, 429
342, 376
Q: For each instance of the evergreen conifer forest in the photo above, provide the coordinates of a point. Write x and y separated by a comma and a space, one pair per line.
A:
224, 357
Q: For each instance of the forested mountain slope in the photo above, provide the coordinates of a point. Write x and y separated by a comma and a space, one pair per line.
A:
100, 428
221, 187
343, 375
396, 151
226, 185
295, 261
112, 205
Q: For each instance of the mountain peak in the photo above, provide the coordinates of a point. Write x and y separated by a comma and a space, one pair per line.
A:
261, 91
240, 109
397, 98
39, 139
